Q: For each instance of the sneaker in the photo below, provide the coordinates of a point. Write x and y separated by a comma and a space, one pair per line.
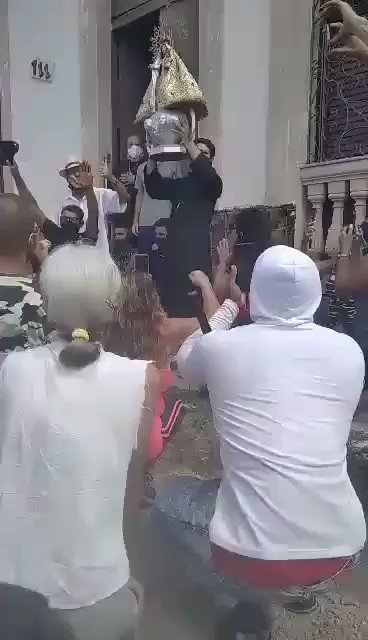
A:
308, 604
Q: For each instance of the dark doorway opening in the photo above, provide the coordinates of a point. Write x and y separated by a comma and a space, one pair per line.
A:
132, 55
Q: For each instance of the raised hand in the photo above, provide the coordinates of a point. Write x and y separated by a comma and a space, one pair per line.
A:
183, 132
223, 251
41, 250
199, 279
236, 293
128, 179
342, 16
353, 47
85, 177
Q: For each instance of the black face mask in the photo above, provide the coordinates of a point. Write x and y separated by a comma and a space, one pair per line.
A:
70, 229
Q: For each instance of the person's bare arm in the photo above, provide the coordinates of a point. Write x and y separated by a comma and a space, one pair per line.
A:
120, 189
221, 281
352, 30
139, 462
351, 278
191, 147
27, 195
177, 330
351, 269
116, 185
209, 299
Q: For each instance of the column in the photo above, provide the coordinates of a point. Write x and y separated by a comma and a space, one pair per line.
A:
359, 193
245, 84
337, 194
316, 194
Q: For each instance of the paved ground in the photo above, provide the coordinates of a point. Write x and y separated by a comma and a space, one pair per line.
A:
178, 607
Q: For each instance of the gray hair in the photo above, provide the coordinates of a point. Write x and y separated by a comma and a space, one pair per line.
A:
78, 282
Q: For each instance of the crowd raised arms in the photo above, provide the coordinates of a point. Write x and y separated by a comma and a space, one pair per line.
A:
90, 354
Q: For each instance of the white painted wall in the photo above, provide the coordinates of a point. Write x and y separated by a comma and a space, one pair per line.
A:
245, 98
254, 71
211, 41
288, 106
46, 118
234, 75
289, 85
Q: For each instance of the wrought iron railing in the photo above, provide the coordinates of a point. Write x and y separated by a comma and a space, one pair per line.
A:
338, 98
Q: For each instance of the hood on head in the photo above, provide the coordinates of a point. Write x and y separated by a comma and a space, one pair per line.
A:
285, 288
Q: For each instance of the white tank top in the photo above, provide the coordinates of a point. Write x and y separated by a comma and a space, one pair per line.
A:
66, 441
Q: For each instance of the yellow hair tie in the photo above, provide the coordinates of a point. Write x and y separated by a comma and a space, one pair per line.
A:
80, 334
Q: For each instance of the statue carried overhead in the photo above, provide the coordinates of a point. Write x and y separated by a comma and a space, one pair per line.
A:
172, 101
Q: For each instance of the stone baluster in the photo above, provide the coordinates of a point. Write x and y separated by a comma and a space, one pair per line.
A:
316, 195
359, 193
337, 194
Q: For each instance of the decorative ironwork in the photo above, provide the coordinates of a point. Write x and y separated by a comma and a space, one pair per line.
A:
338, 98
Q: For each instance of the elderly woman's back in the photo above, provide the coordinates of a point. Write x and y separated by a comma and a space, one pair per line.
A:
71, 417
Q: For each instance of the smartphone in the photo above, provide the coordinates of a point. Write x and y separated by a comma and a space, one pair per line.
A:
141, 263
8, 149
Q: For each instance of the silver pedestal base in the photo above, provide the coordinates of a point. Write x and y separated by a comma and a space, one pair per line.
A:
172, 151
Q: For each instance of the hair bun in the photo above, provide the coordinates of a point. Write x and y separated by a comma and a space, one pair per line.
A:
80, 334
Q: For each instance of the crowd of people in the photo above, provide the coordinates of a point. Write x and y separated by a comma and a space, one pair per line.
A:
86, 360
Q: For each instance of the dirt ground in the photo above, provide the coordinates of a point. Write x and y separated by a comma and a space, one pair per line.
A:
341, 616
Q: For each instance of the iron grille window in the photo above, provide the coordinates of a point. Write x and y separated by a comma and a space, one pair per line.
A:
338, 98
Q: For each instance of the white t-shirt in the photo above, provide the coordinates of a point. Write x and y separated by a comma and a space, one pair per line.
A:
283, 393
66, 441
108, 202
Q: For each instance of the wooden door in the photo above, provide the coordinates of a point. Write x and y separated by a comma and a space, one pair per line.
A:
130, 66
126, 11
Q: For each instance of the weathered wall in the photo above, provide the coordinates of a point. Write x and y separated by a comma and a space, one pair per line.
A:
72, 115
45, 117
254, 66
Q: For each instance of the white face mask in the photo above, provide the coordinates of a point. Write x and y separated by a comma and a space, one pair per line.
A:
135, 152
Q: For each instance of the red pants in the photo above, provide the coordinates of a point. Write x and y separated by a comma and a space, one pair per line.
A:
276, 574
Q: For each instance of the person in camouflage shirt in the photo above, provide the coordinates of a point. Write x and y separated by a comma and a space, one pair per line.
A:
22, 318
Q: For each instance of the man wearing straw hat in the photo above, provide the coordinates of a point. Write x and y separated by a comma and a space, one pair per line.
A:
109, 200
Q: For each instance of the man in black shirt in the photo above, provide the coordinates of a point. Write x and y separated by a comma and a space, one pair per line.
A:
193, 201
71, 218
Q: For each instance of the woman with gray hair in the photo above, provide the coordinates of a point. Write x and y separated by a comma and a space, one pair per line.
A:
73, 419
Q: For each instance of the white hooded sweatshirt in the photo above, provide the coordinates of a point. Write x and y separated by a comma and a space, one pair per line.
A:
283, 393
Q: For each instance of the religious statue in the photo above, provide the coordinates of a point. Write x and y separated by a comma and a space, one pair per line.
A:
173, 101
